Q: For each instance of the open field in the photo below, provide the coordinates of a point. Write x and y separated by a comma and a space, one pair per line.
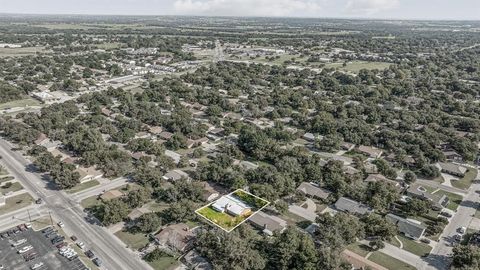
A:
356, 66
16, 52
466, 181
134, 241
389, 262
6, 188
16, 202
20, 103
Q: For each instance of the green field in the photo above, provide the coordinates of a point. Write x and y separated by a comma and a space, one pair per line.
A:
356, 66
16, 202
20, 103
134, 241
417, 248
164, 263
17, 52
389, 262
223, 220
16, 186
90, 202
466, 181
83, 186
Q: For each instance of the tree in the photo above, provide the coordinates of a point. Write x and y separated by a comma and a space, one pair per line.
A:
417, 207
377, 226
147, 223
466, 257
339, 230
376, 244
292, 250
112, 211
235, 250
410, 177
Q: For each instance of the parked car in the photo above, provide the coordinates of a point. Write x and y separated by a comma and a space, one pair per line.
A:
74, 238
60, 224
462, 230
81, 245
457, 237
425, 240
38, 201
89, 254
97, 262
446, 214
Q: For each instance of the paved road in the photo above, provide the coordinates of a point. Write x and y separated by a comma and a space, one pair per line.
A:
110, 249
439, 257
97, 190
21, 216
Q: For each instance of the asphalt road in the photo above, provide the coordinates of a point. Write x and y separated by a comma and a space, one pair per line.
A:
439, 257
97, 190
106, 246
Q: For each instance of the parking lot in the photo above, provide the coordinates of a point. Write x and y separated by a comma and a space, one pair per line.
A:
36, 249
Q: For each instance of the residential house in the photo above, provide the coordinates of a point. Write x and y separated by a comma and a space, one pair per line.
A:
309, 137
313, 190
177, 237
302, 212
165, 135
175, 175
111, 194
268, 223
232, 206
409, 228
209, 192
41, 139
196, 262
346, 146
452, 155
155, 130
416, 190
452, 169
173, 155
373, 178
370, 151
88, 174
353, 207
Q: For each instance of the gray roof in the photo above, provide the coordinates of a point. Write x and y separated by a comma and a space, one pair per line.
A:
406, 226
313, 190
454, 168
267, 222
197, 262
351, 206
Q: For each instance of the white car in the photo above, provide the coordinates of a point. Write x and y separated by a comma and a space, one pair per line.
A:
25, 249
81, 245
36, 266
60, 224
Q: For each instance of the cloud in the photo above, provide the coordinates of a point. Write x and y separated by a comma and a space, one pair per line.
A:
370, 7
248, 7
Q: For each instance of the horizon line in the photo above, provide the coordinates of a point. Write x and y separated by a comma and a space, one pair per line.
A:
239, 16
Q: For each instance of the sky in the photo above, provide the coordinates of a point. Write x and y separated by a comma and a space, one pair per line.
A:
381, 9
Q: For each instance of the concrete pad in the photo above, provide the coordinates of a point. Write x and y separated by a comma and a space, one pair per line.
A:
474, 224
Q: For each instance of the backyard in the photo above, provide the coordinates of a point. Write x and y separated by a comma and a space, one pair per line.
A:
224, 220
134, 241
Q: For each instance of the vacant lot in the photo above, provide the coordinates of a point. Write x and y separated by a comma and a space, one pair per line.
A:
16, 202
164, 263
134, 241
83, 186
19, 103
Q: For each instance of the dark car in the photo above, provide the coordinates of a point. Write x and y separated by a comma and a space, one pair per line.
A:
74, 238
446, 214
47, 230
38, 201
89, 254
61, 245
97, 261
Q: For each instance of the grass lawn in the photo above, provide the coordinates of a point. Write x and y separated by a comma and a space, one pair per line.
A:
20, 103
16, 202
417, 248
359, 248
466, 181
6, 52
14, 187
134, 241
6, 178
41, 223
356, 66
90, 201
164, 263
223, 220
389, 262
455, 199
3, 171
83, 186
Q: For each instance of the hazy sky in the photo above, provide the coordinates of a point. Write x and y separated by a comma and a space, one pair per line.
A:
394, 9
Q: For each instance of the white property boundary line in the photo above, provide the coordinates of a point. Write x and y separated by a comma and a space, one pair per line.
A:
211, 221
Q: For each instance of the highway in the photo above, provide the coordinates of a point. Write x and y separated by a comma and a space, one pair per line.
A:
105, 245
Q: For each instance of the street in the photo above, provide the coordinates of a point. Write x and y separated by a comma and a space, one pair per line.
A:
108, 247
97, 190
